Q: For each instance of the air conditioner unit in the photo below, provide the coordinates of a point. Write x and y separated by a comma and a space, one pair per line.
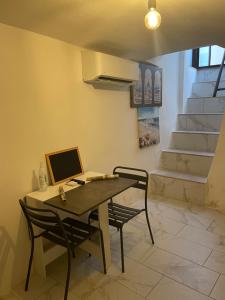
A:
100, 68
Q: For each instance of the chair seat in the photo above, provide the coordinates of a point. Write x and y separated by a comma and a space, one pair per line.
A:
77, 232
118, 214
82, 230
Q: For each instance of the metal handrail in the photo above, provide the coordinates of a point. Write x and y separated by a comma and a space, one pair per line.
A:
219, 78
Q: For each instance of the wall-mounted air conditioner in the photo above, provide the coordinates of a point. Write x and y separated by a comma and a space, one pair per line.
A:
107, 69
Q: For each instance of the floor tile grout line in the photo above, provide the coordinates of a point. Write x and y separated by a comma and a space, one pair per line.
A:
48, 290
182, 208
185, 258
16, 295
207, 257
163, 275
121, 283
155, 286
170, 219
187, 223
167, 276
56, 284
179, 231
189, 240
188, 259
201, 244
210, 269
117, 279
157, 247
214, 285
207, 229
181, 283
38, 296
171, 278
202, 266
107, 278
136, 260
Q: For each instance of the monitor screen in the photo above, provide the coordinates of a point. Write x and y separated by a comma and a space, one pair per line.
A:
64, 165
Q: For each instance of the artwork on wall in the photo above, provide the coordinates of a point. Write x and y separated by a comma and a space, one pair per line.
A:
148, 126
148, 90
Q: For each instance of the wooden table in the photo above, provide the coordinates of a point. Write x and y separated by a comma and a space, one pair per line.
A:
80, 200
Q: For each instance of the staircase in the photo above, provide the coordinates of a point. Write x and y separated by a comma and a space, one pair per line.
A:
184, 167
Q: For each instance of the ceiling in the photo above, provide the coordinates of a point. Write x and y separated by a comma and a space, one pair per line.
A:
117, 26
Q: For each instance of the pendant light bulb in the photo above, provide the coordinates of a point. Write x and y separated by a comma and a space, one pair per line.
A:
152, 18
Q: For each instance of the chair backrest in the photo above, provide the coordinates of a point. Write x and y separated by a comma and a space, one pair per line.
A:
132, 173
46, 219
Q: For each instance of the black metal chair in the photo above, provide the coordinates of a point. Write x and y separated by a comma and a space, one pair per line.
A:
120, 214
68, 233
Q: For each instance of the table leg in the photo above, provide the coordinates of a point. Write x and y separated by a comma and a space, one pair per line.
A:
104, 226
39, 259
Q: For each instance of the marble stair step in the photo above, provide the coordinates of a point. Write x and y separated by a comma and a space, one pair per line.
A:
178, 186
203, 141
205, 105
189, 162
199, 121
209, 74
202, 114
188, 152
180, 176
206, 88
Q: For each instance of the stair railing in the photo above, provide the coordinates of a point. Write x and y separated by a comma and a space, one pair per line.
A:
219, 78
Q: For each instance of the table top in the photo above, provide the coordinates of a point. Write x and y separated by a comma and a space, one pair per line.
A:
91, 195
53, 190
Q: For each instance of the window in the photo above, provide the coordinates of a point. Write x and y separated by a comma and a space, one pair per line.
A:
209, 56
216, 55
203, 57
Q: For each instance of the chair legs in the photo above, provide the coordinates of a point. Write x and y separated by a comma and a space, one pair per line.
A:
121, 240
122, 252
68, 274
30, 264
149, 227
73, 252
68, 265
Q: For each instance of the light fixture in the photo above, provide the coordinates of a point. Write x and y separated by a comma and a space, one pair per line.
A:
153, 17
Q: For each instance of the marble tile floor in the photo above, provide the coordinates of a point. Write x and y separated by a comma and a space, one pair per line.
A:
187, 261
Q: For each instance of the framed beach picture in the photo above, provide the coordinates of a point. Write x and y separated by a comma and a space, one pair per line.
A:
148, 90
148, 126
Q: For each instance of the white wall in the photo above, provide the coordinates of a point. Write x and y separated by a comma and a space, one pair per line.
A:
172, 99
189, 76
45, 106
216, 186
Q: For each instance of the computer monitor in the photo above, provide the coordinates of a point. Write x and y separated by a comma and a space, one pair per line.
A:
64, 165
